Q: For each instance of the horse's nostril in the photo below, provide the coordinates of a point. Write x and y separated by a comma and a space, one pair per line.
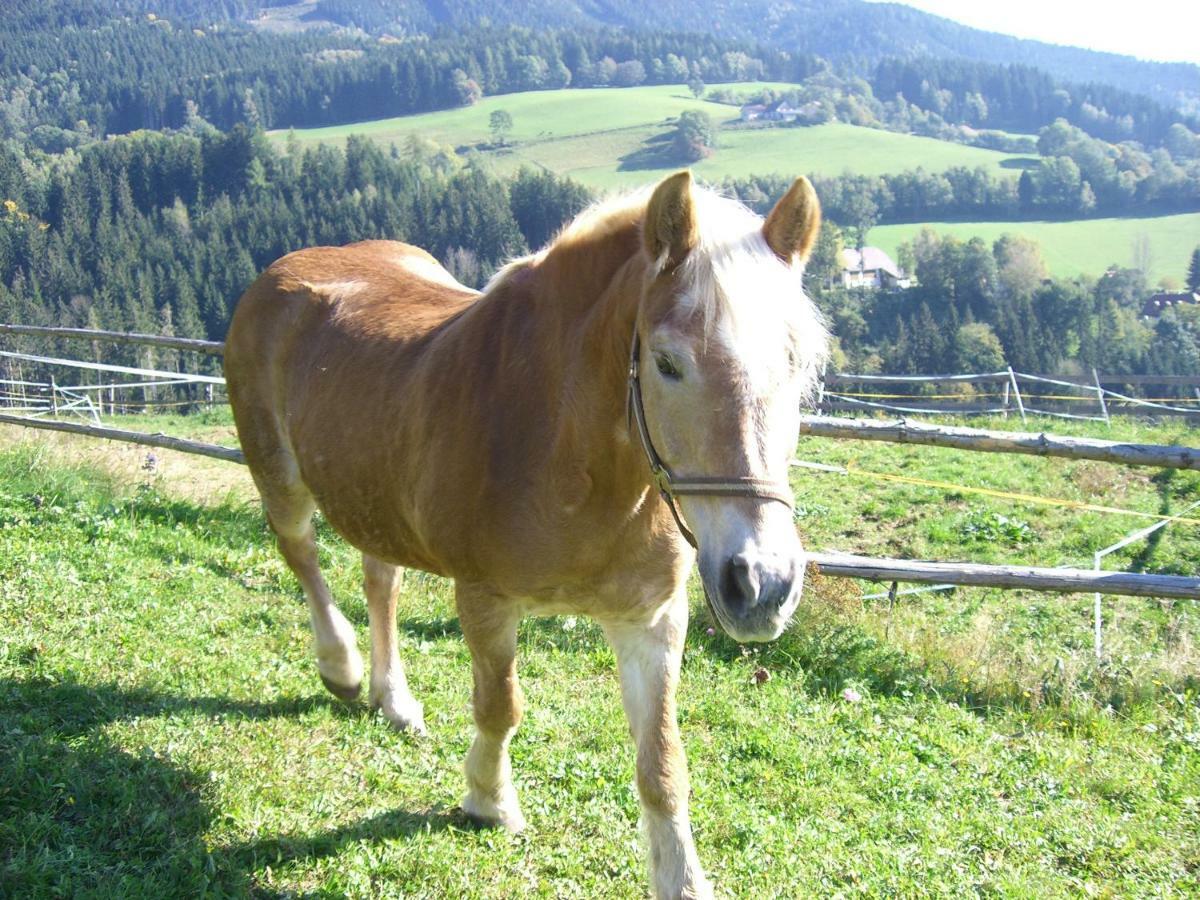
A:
741, 580
748, 583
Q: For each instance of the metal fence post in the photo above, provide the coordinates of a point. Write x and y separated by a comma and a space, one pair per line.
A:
1012, 379
1098, 615
1100, 397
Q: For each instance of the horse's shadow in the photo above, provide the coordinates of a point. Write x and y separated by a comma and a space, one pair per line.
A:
80, 815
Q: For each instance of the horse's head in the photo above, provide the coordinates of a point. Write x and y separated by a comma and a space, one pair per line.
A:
730, 349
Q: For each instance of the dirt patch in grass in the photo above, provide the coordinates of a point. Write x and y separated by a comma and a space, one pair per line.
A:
181, 475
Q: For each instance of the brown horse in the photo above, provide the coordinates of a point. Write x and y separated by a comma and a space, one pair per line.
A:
530, 441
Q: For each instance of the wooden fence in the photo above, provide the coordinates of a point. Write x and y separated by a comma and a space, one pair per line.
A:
830, 563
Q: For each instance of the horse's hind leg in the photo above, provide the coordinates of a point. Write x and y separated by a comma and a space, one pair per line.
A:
290, 513
489, 624
389, 688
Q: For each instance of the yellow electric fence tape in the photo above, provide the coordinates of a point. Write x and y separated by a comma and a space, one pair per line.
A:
1089, 396
852, 469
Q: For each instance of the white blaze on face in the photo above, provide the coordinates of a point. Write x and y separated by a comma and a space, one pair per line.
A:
753, 363
756, 309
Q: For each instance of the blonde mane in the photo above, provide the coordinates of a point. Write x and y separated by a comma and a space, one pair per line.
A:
735, 280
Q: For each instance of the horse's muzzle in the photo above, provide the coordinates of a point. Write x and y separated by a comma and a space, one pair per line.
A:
753, 596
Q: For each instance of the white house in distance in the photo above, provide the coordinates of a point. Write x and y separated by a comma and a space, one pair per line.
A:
872, 268
779, 111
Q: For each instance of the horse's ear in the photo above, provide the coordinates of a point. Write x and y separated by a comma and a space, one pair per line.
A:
670, 229
791, 228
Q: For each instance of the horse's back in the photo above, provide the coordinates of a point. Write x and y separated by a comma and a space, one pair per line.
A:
318, 336
372, 288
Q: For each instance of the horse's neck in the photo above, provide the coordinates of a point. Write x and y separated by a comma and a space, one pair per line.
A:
589, 298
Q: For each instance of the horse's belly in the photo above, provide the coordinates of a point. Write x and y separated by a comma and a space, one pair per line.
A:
365, 512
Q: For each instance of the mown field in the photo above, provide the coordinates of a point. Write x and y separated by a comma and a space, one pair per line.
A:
596, 136
1085, 247
163, 732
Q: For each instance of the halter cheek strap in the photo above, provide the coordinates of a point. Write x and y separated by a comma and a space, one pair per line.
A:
669, 487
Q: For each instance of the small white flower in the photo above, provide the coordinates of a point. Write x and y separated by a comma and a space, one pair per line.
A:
850, 695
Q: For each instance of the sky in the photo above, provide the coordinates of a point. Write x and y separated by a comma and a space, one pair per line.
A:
1167, 30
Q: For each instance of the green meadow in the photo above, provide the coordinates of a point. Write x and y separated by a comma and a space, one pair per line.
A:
163, 731
600, 137
586, 134
1075, 248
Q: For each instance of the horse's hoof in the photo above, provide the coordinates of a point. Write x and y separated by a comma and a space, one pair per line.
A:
491, 815
347, 694
406, 724
404, 714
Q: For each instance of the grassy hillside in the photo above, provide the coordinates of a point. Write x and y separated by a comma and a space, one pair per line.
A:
163, 732
1079, 248
595, 136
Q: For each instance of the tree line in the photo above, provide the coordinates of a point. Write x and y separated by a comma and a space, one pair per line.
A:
70, 71
62, 84
1075, 177
162, 232
977, 307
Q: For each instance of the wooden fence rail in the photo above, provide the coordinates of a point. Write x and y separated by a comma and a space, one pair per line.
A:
1068, 581
838, 565
1041, 444
229, 454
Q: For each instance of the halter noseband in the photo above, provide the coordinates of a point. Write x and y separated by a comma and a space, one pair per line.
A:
670, 487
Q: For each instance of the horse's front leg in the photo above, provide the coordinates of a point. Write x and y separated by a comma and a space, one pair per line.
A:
648, 657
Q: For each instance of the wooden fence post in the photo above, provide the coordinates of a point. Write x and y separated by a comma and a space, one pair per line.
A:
53, 397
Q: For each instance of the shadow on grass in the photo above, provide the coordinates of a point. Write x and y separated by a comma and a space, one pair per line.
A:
656, 152
387, 826
80, 816
1020, 162
1164, 481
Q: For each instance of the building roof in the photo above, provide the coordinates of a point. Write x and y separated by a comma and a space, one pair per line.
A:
1166, 299
870, 260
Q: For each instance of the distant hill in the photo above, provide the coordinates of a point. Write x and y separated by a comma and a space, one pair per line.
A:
854, 31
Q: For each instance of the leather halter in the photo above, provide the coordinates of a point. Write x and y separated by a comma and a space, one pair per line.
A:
669, 486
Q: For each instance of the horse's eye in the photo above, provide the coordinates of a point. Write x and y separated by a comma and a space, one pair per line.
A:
667, 367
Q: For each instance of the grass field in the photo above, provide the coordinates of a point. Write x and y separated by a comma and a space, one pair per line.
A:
586, 133
163, 731
1078, 248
